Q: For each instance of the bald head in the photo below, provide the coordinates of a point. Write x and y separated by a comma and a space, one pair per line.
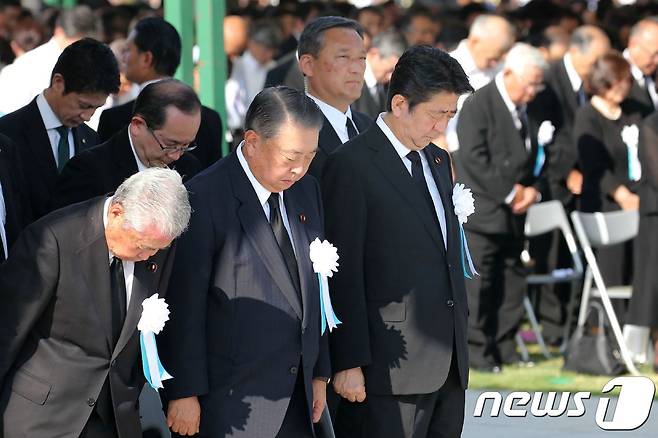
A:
643, 45
489, 38
588, 43
236, 30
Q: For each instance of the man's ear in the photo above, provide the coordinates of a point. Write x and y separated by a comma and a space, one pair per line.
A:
147, 59
399, 104
58, 83
306, 63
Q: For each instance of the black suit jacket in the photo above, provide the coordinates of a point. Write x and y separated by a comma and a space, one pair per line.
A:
56, 349
648, 154
27, 130
13, 185
370, 105
329, 141
286, 72
399, 293
101, 169
641, 98
208, 139
493, 157
239, 331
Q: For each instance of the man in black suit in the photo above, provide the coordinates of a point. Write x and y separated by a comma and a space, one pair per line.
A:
332, 58
498, 133
384, 52
51, 129
163, 127
12, 209
153, 54
71, 297
642, 55
400, 290
244, 341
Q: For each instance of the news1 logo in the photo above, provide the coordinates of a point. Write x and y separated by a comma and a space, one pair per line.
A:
631, 412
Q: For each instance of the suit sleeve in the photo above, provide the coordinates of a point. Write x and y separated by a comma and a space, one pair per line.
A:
474, 153
184, 350
594, 158
105, 128
28, 281
648, 152
346, 219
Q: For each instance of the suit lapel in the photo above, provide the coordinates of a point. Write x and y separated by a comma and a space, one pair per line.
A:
93, 257
123, 157
39, 142
328, 139
390, 164
80, 142
260, 235
511, 132
443, 178
301, 240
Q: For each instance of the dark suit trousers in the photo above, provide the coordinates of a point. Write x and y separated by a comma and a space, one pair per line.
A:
495, 298
439, 414
297, 423
97, 428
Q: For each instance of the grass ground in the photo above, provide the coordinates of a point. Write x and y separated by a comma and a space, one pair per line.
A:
544, 375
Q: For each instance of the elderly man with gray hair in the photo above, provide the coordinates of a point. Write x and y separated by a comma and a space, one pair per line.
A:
502, 137
71, 296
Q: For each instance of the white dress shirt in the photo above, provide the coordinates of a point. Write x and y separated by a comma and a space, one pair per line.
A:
128, 266
27, 76
51, 122
641, 79
263, 195
512, 108
140, 166
370, 81
3, 222
402, 151
337, 119
574, 77
476, 77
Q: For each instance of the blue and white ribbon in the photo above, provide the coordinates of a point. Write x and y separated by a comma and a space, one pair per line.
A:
153, 369
327, 315
540, 160
466, 255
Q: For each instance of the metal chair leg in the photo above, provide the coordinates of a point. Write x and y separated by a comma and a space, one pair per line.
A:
535, 327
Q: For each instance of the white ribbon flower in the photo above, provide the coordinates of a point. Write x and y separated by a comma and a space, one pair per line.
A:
155, 312
630, 134
462, 200
545, 133
324, 257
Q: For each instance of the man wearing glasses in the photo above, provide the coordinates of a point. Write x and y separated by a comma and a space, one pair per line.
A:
164, 124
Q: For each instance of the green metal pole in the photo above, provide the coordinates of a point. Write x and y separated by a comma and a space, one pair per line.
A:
212, 62
53, 3
69, 3
180, 14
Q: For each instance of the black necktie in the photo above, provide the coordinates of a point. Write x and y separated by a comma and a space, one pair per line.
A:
351, 130
648, 82
520, 111
119, 298
581, 96
419, 178
282, 238
62, 147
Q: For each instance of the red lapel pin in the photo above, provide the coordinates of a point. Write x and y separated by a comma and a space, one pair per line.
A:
152, 266
302, 218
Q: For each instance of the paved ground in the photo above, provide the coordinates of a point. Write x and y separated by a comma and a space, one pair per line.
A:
562, 427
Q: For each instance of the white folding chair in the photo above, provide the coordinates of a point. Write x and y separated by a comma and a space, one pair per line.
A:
543, 218
599, 230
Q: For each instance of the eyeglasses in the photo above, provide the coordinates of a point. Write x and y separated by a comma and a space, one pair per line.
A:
173, 149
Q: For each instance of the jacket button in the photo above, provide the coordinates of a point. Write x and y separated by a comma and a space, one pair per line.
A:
293, 370
450, 303
91, 402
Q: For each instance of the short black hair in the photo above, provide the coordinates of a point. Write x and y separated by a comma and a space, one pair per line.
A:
312, 38
274, 106
155, 35
423, 71
152, 102
88, 66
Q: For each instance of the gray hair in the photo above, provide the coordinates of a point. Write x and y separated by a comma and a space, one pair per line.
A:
583, 37
312, 37
79, 21
155, 196
487, 26
266, 33
523, 56
389, 43
642, 25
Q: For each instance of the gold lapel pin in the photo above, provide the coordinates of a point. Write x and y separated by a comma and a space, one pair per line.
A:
302, 218
152, 266
84, 140
437, 160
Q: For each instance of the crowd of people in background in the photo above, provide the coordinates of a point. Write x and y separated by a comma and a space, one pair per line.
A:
561, 106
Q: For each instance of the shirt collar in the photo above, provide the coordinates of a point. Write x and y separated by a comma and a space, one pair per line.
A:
574, 77
500, 85
335, 116
261, 192
400, 148
149, 82
140, 166
50, 119
635, 70
464, 57
369, 77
